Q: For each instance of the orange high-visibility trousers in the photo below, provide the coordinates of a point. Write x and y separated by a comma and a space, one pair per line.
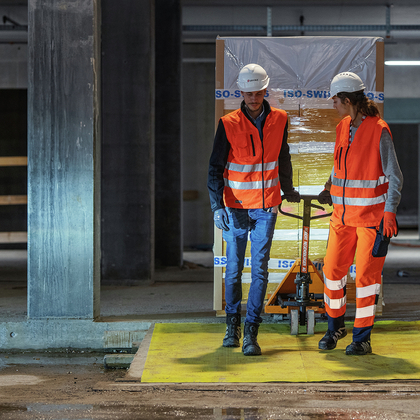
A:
343, 242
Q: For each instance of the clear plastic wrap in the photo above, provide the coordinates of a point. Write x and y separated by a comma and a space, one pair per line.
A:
300, 68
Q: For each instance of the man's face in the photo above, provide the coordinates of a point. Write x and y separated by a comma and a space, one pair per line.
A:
254, 100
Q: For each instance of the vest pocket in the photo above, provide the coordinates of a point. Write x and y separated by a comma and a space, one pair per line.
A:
243, 146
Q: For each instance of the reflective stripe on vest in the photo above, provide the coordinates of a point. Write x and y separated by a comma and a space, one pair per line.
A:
253, 185
359, 201
356, 183
258, 167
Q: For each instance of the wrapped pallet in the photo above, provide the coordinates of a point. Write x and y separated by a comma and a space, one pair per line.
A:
300, 71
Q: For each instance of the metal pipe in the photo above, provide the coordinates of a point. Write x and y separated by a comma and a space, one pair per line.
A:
269, 22
388, 20
299, 28
20, 28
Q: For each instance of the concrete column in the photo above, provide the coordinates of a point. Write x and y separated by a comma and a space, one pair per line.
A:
168, 134
128, 141
63, 159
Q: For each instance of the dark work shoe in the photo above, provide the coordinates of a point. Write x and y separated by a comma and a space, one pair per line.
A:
233, 331
358, 349
329, 341
250, 346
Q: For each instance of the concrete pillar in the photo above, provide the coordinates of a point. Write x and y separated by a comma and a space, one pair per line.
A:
128, 111
63, 159
168, 134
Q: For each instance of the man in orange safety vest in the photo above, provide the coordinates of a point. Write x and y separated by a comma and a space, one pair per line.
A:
249, 166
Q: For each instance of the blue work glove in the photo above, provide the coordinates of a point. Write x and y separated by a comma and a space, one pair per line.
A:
324, 197
292, 196
221, 219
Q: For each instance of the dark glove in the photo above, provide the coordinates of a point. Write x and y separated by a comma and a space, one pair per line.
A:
324, 197
221, 219
292, 196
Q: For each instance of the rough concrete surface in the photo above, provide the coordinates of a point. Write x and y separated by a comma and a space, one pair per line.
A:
39, 389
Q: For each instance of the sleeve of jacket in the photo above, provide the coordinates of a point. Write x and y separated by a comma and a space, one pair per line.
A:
391, 170
218, 160
285, 165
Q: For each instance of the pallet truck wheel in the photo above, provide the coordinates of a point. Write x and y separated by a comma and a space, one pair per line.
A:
294, 322
310, 326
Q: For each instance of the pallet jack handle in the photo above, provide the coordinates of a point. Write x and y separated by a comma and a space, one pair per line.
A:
306, 198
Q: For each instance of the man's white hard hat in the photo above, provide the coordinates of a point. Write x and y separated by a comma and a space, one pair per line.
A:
252, 78
346, 82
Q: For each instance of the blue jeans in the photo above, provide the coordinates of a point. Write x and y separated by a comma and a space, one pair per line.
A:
260, 224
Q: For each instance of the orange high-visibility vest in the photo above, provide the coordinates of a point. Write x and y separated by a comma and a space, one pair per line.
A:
251, 175
359, 186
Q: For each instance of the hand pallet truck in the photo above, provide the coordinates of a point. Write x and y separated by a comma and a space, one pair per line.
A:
293, 294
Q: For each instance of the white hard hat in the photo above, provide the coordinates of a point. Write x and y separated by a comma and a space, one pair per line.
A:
346, 82
252, 78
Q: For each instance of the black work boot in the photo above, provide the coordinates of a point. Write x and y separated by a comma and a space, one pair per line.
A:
250, 345
329, 341
359, 349
233, 330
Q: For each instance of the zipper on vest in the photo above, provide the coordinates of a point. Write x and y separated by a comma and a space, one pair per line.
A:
253, 147
262, 173
344, 182
339, 158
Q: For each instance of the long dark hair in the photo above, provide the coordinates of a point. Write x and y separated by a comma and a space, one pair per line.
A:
363, 104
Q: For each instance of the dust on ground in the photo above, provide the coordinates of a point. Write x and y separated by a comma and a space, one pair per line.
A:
76, 385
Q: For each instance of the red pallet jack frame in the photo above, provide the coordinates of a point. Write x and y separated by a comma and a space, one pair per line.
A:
301, 292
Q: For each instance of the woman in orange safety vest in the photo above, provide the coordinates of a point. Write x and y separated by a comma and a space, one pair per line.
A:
365, 189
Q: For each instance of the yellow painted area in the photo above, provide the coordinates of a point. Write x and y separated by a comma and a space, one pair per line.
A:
193, 352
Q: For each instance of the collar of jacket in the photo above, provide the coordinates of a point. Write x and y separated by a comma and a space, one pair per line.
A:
267, 110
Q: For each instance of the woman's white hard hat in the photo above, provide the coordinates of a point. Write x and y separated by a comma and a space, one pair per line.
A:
252, 78
346, 82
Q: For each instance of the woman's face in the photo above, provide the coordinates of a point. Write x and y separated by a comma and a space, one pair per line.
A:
343, 109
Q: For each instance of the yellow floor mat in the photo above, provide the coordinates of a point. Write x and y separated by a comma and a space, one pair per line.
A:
192, 352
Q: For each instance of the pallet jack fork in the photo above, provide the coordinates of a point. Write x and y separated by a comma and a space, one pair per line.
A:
293, 294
